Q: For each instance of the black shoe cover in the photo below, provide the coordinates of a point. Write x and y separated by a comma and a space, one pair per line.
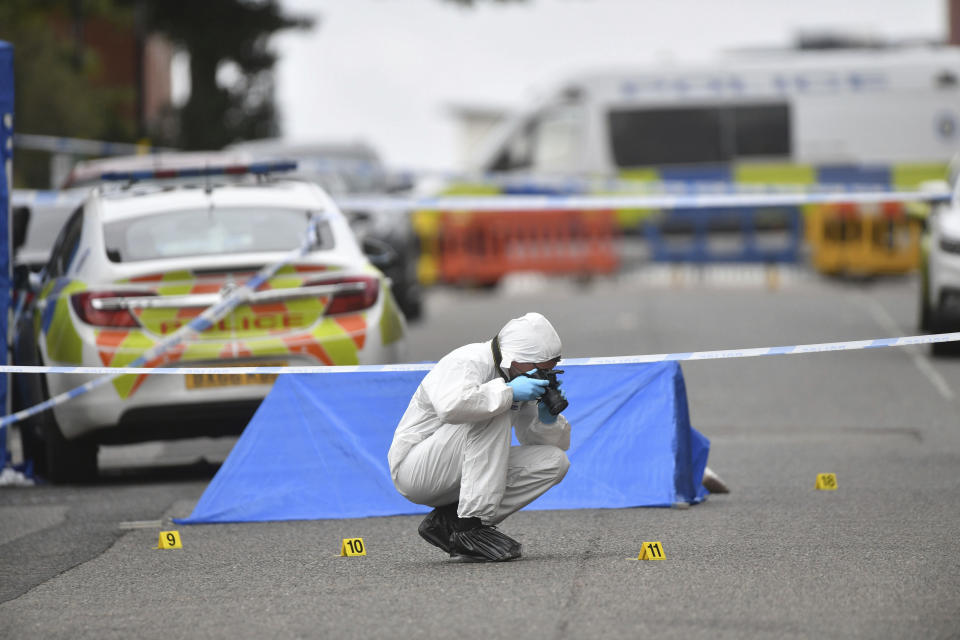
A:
483, 544
438, 525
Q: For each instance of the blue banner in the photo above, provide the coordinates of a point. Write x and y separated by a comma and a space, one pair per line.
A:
317, 447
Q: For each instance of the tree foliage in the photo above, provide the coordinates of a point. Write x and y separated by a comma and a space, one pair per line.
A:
217, 33
54, 88
55, 76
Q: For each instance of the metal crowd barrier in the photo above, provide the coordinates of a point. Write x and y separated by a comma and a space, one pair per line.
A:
738, 232
849, 239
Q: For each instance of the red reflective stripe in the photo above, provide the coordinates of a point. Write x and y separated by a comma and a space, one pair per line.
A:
156, 277
206, 287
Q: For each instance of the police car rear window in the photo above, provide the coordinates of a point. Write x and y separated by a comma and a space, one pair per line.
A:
175, 234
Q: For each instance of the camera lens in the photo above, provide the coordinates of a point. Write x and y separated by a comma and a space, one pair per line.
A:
554, 401
552, 398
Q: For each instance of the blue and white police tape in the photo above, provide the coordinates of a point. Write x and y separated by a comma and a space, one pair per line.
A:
643, 201
80, 146
201, 323
40, 198
770, 195
850, 345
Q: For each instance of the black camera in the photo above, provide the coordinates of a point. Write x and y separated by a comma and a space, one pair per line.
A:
551, 396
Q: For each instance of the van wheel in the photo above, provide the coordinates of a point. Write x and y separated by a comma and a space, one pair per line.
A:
64, 461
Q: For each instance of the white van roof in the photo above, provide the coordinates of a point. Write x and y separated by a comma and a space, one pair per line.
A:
775, 74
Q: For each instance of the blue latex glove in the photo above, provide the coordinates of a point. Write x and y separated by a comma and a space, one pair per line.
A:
525, 388
545, 416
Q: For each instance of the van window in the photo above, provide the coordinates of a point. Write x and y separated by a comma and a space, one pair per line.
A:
518, 152
761, 130
689, 135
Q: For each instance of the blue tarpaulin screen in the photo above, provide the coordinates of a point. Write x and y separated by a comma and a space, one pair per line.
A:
317, 447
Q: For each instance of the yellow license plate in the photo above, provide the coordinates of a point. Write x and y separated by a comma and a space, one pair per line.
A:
209, 380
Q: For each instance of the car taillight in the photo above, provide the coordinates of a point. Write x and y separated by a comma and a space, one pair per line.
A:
106, 317
354, 300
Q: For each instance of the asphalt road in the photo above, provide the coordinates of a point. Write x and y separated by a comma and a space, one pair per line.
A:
878, 558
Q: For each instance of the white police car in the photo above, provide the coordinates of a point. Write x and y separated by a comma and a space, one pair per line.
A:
136, 263
340, 169
940, 270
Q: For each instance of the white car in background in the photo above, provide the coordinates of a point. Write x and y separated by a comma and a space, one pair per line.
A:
940, 269
354, 168
135, 263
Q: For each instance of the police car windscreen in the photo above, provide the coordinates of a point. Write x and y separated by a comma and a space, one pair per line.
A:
174, 234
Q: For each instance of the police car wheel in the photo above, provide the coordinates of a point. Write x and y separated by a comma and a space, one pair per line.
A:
64, 461
69, 462
26, 392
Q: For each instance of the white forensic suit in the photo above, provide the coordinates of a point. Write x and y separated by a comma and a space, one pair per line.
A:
453, 444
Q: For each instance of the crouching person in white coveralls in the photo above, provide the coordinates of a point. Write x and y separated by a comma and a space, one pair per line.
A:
452, 449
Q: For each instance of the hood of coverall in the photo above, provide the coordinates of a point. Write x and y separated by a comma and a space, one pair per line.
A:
529, 338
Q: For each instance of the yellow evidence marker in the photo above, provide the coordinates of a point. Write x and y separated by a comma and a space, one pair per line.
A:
826, 482
652, 551
169, 540
353, 547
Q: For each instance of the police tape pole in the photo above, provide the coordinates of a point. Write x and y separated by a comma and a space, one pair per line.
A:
199, 324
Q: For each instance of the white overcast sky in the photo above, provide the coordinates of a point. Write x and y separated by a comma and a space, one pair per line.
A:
385, 71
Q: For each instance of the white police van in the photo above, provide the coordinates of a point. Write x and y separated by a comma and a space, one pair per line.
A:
836, 107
